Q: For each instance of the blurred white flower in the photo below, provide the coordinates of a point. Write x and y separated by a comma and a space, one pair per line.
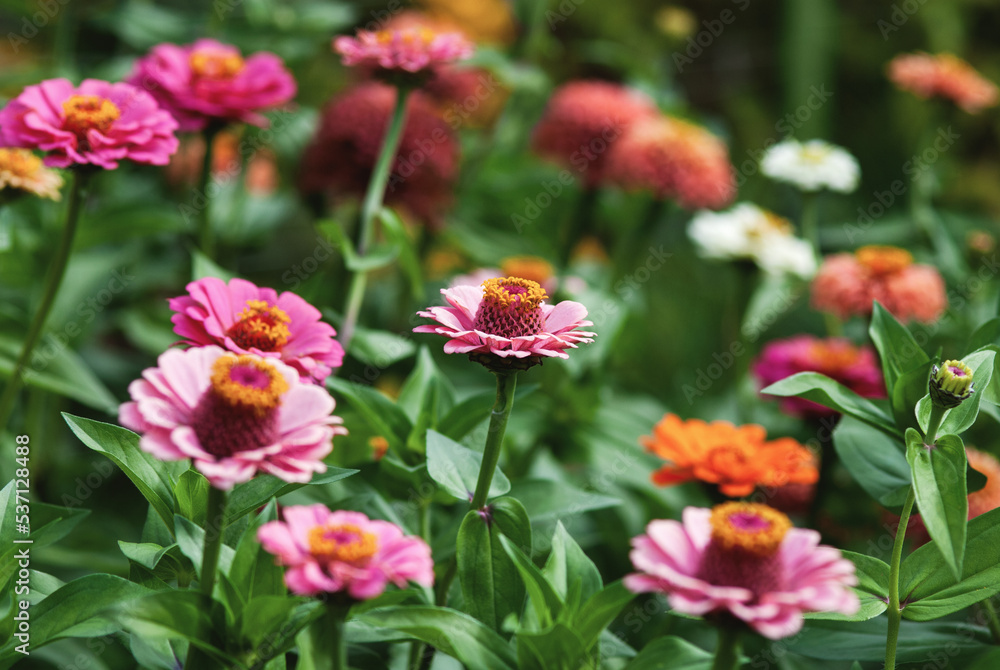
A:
812, 166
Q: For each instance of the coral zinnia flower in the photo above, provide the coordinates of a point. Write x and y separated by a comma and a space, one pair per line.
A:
98, 123
675, 160
22, 170
232, 415
247, 319
507, 319
209, 80
407, 49
329, 552
812, 166
736, 458
582, 120
855, 367
988, 497
943, 75
846, 284
341, 157
745, 559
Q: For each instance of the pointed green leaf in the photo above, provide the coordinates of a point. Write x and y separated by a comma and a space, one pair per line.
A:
456, 468
875, 460
671, 653
569, 568
547, 604
872, 589
249, 496
829, 393
897, 349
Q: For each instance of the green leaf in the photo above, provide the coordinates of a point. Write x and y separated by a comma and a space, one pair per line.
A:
599, 611
247, 497
382, 415
906, 394
986, 334
254, 572
453, 633
173, 614
939, 483
874, 459
191, 541
151, 476
558, 647
825, 391
549, 500
568, 569
849, 641
425, 375
671, 653
456, 468
547, 604
408, 259
872, 589
202, 266
466, 415
191, 495
897, 349
380, 348
961, 418
48, 525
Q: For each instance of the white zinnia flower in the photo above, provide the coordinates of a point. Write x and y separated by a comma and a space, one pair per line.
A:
812, 166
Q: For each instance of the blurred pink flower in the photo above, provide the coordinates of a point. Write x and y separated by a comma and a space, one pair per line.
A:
248, 319
97, 123
945, 75
745, 559
233, 416
407, 49
209, 80
329, 552
856, 368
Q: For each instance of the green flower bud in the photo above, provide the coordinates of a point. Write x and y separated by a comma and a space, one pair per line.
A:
951, 384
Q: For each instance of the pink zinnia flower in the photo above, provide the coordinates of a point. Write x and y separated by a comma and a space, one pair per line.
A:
247, 319
233, 416
329, 552
406, 49
856, 368
209, 80
507, 319
98, 123
846, 284
926, 75
745, 559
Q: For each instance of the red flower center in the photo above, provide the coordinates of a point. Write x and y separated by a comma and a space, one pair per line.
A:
743, 551
212, 64
239, 410
82, 113
511, 307
261, 326
342, 542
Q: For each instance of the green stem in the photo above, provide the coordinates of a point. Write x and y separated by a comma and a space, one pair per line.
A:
494, 437
425, 657
57, 268
577, 224
326, 637
727, 650
895, 612
992, 619
810, 221
215, 519
369, 210
206, 238
933, 423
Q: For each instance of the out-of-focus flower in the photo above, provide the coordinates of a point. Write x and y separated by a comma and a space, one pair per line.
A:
673, 159
980, 243
247, 319
484, 21
746, 560
583, 120
812, 166
97, 123
379, 445
506, 323
21, 170
533, 268
403, 50
261, 177
736, 458
233, 416
751, 233
211, 81
856, 368
332, 552
341, 157
675, 22
945, 75
846, 284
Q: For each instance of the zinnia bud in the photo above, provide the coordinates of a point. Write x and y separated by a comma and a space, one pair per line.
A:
951, 384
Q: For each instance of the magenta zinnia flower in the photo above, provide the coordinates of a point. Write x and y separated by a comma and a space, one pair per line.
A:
248, 319
856, 368
98, 123
328, 552
209, 80
745, 559
403, 49
232, 416
507, 319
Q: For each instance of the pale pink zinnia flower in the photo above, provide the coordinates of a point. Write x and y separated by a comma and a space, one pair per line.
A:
846, 285
21, 170
233, 416
745, 559
505, 320
857, 368
945, 75
209, 80
97, 123
329, 552
247, 319
406, 49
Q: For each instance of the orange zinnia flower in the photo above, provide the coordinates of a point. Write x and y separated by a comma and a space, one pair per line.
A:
736, 458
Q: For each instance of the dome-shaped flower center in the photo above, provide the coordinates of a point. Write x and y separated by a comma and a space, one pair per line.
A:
342, 542
883, 260
261, 326
19, 162
88, 112
409, 36
511, 307
238, 412
834, 357
214, 64
527, 267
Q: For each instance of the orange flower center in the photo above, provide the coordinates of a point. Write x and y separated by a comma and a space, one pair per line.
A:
212, 64
409, 36
261, 326
342, 542
532, 268
883, 260
19, 162
248, 382
89, 112
748, 527
522, 295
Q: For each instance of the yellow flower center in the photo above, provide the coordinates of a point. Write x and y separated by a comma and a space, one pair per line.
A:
814, 153
528, 267
522, 295
212, 64
342, 542
883, 260
19, 162
248, 382
85, 112
750, 527
261, 326
409, 36
769, 224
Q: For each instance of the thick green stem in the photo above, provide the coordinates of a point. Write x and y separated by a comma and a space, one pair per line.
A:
215, 520
933, 423
810, 221
57, 268
206, 237
328, 647
369, 210
895, 612
494, 437
727, 650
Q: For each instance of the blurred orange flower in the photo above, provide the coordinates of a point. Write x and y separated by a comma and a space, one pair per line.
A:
926, 75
